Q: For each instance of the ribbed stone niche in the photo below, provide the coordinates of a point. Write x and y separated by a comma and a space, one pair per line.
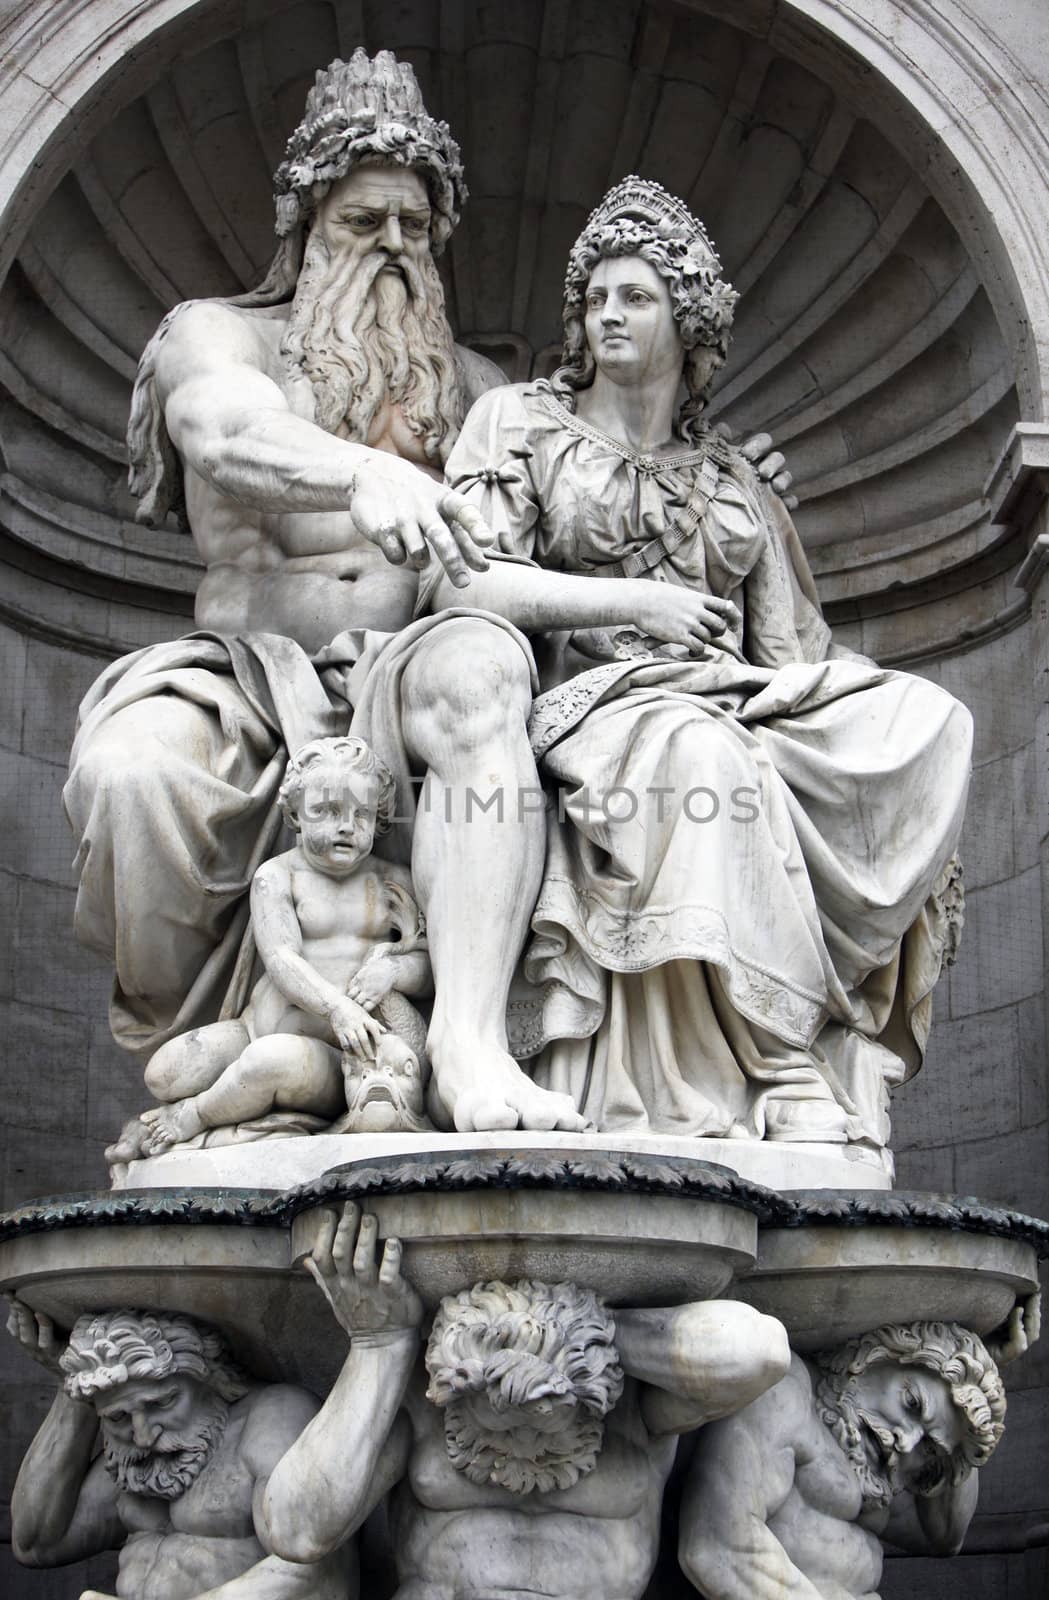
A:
864, 340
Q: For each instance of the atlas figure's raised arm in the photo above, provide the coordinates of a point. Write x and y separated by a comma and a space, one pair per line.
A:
356, 1448
63, 1508
699, 1362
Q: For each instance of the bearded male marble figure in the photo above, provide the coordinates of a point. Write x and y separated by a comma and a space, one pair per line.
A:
302, 428
881, 1439
188, 1441
529, 1447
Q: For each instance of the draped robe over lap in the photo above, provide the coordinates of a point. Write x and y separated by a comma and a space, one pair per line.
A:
686, 964
737, 904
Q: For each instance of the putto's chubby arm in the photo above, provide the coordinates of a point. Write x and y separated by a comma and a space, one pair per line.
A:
742, 1472
700, 1362
279, 940
357, 1446
231, 423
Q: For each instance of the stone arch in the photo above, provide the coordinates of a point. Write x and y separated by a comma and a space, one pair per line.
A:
894, 515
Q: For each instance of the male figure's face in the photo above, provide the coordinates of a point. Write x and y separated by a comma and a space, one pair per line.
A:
911, 1425
157, 1433
376, 209
337, 819
545, 1445
367, 326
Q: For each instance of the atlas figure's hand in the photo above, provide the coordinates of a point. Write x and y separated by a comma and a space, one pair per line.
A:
1019, 1333
36, 1334
407, 514
676, 615
368, 1295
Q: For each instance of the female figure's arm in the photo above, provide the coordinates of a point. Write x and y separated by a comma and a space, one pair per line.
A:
536, 602
493, 466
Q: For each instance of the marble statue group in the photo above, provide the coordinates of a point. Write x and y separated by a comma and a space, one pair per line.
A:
578, 628
511, 780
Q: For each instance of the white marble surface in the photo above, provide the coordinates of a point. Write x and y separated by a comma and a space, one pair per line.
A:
186, 1440
875, 1439
282, 1163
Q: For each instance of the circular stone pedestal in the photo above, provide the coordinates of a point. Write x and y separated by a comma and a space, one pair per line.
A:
278, 1163
636, 1229
639, 1229
828, 1283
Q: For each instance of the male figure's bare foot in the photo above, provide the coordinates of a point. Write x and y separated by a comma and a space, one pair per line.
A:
483, 1089
170, 1125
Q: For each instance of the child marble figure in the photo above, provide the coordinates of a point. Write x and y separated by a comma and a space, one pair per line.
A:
342, 942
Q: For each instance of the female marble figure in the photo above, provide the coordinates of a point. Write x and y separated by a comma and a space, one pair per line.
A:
737, 932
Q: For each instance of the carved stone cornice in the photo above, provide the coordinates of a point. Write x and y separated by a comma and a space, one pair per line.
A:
1017, 490
598, 1171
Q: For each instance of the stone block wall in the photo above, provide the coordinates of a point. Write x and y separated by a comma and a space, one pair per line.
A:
66, 1085
975, 1121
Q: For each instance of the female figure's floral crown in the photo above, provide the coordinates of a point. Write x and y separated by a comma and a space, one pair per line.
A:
640, 217
643, 201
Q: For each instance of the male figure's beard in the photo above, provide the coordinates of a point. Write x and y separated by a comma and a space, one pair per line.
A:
850, 1426
364, 338
521, 1458
166, 1470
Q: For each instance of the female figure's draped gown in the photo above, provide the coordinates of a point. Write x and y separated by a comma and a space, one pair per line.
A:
737, 931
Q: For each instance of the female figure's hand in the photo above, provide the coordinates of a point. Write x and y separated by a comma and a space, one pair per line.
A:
680, 616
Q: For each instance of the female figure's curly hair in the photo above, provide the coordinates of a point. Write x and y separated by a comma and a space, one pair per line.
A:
639, 218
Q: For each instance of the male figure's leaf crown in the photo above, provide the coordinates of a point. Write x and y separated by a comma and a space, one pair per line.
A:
365, 110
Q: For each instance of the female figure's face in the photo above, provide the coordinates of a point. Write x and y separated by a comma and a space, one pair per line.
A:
630, 325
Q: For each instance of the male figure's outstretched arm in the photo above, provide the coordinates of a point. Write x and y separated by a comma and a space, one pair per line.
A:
230, 421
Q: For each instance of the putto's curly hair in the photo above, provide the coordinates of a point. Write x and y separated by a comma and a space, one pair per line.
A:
340, 757
640, 218
953, 1353
108, 1348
